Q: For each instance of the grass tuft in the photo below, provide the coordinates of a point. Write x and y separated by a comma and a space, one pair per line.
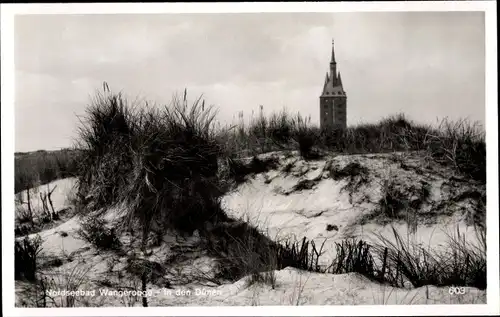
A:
461, 264
399, 202
161, 163
263, 278
26, 252
94, 230
41, 167
239, 171
353, 256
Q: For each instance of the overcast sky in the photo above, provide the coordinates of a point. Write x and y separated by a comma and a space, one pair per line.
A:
427, 65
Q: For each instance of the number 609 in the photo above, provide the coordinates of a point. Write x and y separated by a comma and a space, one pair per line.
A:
456, 290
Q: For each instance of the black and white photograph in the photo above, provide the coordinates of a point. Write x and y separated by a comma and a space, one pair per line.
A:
274, 157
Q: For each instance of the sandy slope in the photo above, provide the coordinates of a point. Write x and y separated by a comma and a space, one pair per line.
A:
307, 213
264, 202
62, 189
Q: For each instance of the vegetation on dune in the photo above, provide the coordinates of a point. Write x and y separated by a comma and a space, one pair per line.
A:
239, 171
460, 144
95, 231
168, 168
462, 263
397, 263
400, 262
356, 175
399, 202
161, 163
31, 218
26, 252
42, 167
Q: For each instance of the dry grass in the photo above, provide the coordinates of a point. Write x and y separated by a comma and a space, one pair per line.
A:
461, 264
399, 202
263, 278
459, 144
39, 293
42, 167
95, 231
31, 218
161, 163
164, 165
26, 252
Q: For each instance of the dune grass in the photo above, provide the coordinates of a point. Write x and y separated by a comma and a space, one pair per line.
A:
394, 263
459, 144
165, 167
162, 163
42, 167
26, 252
95, 231
462, 263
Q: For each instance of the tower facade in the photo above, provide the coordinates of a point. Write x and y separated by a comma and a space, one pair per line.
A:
333, 99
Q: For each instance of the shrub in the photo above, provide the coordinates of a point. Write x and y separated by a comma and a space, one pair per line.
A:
399, 202
350, 170
162, 164
239, 170
24, 215
25, 229
94, 230
357, 176
174, 178
104, 141
240, 250
269, 133
25, 258
393, 200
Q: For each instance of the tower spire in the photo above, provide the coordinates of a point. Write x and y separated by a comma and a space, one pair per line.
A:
333, 67
339, 80
333, 53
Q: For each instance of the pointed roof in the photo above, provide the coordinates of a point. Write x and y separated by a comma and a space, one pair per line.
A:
327, 79
333, 54
333, 83
332, 91
333, 87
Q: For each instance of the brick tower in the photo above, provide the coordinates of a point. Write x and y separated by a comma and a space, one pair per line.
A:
333, 100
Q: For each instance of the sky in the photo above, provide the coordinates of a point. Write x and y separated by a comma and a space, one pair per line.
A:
427, 65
